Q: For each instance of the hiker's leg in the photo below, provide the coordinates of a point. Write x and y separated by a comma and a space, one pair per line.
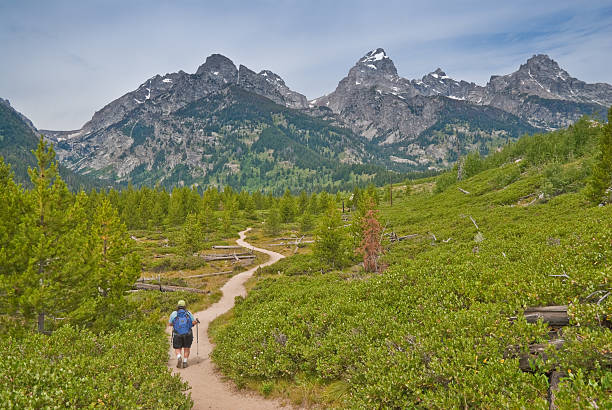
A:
177, 352
186, 350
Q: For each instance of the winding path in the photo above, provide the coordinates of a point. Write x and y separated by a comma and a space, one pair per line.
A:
208, 390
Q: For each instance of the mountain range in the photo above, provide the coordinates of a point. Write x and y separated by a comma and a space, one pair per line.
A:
230, 125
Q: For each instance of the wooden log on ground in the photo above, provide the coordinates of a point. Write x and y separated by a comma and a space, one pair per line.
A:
536, 350
553, 387
166, 288
163, 256
203, 275
227, 247
288, 243
228, 257
553, 315
225, 254
463, 190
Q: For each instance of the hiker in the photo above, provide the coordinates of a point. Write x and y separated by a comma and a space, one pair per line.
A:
182, 321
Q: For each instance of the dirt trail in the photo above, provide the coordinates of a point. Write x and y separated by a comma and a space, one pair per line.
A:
208, 390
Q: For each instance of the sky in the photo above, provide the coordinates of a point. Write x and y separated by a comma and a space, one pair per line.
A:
61, 60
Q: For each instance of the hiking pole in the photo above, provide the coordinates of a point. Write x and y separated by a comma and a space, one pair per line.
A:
198, 337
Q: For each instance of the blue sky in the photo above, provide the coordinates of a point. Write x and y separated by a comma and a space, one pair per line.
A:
63, 60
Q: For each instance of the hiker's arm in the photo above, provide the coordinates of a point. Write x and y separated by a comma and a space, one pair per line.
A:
194, 321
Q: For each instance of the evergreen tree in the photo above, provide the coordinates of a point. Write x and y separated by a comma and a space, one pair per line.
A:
288, 208
191, 237
331, 245
599, 189
207, 219
307, 222
14, 243
302, 203
42, 277
249, 208
272, 222
114, 268
230, 208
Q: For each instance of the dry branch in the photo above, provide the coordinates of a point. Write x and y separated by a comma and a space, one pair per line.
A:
227, 247
463, 190
474, 222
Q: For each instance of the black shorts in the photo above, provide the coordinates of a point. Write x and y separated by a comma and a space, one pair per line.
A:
181, 341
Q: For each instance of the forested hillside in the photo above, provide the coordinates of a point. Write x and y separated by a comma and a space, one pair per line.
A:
18, 140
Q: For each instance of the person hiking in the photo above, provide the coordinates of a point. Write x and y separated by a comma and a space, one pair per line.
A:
182, 321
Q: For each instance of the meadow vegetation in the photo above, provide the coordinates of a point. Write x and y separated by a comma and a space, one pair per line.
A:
353, 317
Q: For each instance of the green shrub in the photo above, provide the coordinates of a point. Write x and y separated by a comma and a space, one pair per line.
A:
75, 368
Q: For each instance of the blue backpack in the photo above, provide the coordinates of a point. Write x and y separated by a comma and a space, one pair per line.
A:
182, 322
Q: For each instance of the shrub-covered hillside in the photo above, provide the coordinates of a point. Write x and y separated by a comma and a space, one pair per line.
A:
443, 325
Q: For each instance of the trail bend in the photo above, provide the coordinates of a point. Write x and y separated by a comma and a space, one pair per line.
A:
208, 390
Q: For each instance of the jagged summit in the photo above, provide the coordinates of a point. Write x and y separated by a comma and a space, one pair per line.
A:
539, 61
377, 62
438, 73
217, 63
374, 55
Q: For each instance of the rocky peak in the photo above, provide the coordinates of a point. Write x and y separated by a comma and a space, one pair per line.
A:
540, 62
439, 74
219, 65
376, 62
271, 86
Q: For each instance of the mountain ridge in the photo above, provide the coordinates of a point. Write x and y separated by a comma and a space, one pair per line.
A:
418, 124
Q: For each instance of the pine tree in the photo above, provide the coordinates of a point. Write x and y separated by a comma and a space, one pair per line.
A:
272, 222
191, 238
288, 207
599, 189
114, 268
307, 222
14, 243
331, 245
47, 225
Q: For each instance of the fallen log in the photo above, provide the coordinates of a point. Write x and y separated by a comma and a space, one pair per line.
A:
288, 243
536, 351
553, 315
163, 256
203, 275
555, 378
228, 257
227, 247
463, 190
166, 288
225, 254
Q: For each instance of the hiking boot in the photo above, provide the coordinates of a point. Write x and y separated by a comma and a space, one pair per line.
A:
185, 364
179, 362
